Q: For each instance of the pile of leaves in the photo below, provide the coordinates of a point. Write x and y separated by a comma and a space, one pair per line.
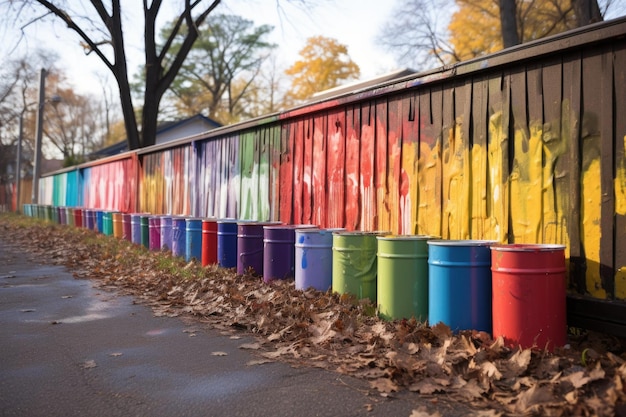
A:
341, 333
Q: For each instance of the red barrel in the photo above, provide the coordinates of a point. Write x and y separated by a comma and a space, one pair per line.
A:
127, 227
78, 217
528, 295
209, 242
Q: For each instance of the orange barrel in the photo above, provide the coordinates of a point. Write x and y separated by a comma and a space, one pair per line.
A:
118, 225
528, 295
209, 242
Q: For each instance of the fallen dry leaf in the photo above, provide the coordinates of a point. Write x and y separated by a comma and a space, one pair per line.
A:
219, 353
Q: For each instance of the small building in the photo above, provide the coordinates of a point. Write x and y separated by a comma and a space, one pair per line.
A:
166, 132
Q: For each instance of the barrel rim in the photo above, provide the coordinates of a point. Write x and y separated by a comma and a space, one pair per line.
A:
362, 233
407, 237
527, 247
321, 230
462, 242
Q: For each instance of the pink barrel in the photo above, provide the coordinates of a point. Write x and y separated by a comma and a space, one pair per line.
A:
154, 229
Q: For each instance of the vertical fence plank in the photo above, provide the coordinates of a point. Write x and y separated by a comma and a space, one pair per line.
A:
287, 181
498, 157
381, 166
318, 181
555, 150
353, 172
394, 161
479, 185
336, 168
619, 77
368, 209
429, 165
298, 172
274, 143
591, 172
409, 176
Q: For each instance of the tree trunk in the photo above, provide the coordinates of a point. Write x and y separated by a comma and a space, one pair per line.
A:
508, 23
587, 12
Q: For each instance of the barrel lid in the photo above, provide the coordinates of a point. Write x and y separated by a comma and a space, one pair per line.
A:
462, 242
406, 237
527, 247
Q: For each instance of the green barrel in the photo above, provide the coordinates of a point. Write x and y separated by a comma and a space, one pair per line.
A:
69, 212
354, 264
403, 277
107, 223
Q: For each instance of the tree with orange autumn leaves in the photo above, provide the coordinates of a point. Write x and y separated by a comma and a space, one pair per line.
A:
429, 33
324, 63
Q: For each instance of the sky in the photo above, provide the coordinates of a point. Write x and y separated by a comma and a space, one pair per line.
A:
355, 23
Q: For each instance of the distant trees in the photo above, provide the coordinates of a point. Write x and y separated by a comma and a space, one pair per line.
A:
73, 128
424, 37
222, 68
324, 63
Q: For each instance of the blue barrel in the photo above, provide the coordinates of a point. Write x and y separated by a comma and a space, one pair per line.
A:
178, 236
193, 239
227, 243
166, 233
459, 284
99, 221
314, 258
135, 226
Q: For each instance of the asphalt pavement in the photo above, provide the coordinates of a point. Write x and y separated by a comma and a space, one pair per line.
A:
68, 348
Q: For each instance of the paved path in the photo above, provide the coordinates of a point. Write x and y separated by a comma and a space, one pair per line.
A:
70, 349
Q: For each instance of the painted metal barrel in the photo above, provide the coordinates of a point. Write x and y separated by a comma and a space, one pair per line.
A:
107, 223
99, 221
118, 226
78, 217
62, 215
166, 233
355, 264
127, 227
250, 247
528, 295
154, 230
178, 236
459, 284
135, 224
88, 218
49, 214
55, 215
227, 243
314, 258
193, 239
279, 252
69, 213
402, 276
145, 230
209, 242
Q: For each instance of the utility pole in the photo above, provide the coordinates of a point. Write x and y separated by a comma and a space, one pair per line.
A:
18, 165
39, 133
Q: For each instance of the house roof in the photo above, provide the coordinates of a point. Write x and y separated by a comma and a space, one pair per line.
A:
163, 127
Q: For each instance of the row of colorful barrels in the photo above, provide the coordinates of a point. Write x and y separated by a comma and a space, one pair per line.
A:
515, 291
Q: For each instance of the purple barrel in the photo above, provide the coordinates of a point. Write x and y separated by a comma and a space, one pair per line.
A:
178, 236
250, 247
166, 233
314, 258
127, 227
154, 228
279, 251
135, 233
62, 215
